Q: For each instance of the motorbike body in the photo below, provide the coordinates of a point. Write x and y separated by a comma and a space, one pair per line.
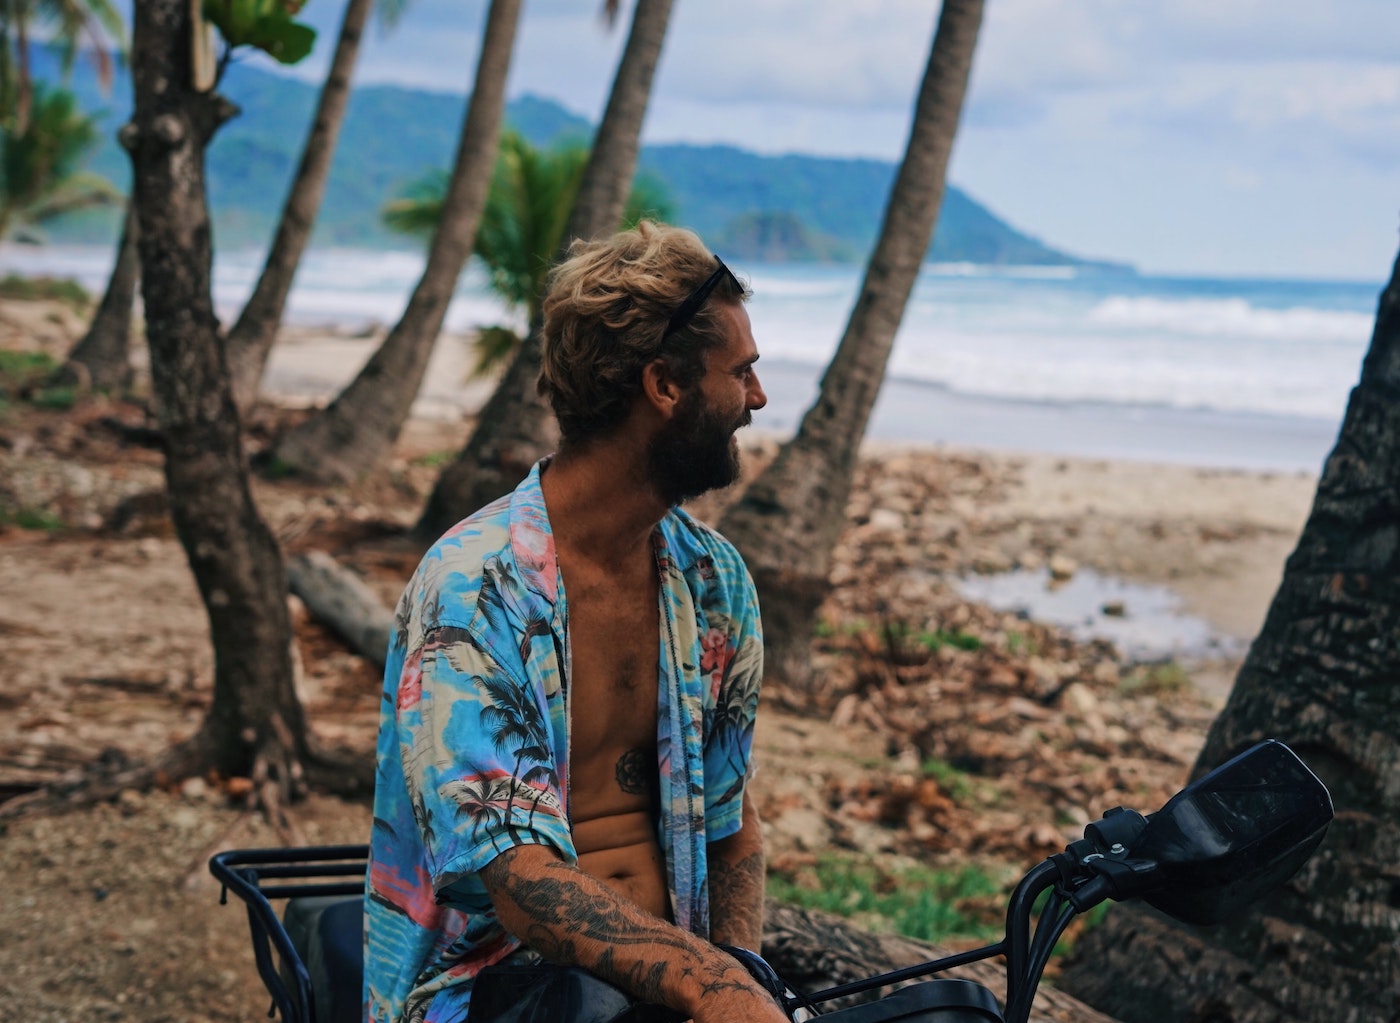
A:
1217, 846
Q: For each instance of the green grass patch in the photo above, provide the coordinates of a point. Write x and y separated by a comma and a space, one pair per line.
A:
952, 781
276, 469
930, 905
60, 398
903, 637
435, 459
21, 370
31, 518
1021, 645
1165, 679
33, 289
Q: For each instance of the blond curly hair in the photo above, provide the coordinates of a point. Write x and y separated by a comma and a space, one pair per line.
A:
606, 309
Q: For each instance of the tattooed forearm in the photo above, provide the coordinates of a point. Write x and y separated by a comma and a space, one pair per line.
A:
570, 917
736, 900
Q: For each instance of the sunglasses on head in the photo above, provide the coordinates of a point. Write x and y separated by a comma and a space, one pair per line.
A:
687, 309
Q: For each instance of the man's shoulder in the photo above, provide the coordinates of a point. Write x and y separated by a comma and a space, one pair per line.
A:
447, 582
697, 546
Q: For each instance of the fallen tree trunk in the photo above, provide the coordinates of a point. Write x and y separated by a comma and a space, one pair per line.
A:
339, 599
813, 950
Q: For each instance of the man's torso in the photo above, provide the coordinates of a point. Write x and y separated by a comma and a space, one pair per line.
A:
613, 637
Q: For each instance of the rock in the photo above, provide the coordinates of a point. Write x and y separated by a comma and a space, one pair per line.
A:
1106, 672
1079, 700
886, 520
1115, 609
194, 789
802, 828
1062, 567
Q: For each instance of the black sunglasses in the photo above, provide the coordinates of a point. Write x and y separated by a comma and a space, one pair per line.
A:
687, 310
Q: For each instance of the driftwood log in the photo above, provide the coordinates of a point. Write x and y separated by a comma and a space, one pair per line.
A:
813, 950
340, 600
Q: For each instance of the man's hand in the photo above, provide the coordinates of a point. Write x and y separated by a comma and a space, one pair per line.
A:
571, 917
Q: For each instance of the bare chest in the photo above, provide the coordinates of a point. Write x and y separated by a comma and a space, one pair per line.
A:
614, 641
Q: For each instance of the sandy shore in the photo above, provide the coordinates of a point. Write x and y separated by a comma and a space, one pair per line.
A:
115, 913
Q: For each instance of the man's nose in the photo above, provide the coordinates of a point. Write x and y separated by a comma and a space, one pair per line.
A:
756, 398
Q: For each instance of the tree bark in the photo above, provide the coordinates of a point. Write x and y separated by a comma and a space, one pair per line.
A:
251, 339
813, 950
358, 429
516, 428
1324, 676
103, 356
255, 725
787, 523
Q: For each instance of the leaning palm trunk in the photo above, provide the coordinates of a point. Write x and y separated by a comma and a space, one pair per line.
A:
787, 523
515, 427
102, 357
358, 429
250, 340
255, 725
1324, 676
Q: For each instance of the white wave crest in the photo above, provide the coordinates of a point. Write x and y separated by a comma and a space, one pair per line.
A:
1229, 318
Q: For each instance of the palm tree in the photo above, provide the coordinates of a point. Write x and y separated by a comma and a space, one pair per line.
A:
515, 428
40, 176
101, 359
527, 210
255, 725
250, 341
65, 22
1324, 676
358, 429
787, 523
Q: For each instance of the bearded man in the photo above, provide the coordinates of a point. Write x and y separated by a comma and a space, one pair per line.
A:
572, 683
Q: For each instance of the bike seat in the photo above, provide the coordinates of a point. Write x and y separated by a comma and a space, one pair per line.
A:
327, 932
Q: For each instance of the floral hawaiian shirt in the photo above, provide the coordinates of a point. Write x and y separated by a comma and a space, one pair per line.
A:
473, 753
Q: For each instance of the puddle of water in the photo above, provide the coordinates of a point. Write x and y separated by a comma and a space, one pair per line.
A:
1151, 626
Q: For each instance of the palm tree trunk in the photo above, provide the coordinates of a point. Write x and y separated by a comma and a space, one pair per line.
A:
104, 352
255, 725
358, 429
787, 523
515, 428
1324, 676
250, 341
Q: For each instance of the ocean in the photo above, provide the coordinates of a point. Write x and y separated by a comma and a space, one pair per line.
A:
1249, 374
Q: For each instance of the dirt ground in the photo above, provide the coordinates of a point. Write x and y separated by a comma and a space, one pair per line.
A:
104, 653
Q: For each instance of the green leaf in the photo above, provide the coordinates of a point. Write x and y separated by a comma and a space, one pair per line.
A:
265, 25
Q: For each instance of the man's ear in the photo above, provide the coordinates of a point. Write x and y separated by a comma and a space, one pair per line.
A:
660, 388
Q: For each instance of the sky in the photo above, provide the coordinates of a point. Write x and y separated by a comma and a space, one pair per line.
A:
1246, 138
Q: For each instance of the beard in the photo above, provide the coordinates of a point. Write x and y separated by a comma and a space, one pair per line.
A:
695, 452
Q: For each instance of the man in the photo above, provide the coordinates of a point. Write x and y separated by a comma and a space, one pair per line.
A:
571, 687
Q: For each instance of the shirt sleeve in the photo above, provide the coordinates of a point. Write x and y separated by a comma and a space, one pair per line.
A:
478, 760
733, 658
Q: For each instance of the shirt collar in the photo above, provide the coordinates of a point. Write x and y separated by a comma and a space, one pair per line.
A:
532, 539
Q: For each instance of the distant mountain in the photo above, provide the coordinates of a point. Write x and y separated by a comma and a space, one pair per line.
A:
750, 206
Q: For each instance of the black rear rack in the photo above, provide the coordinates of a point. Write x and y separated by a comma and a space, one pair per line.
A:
295, 873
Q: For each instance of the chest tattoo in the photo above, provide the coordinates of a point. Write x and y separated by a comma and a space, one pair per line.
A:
634, 772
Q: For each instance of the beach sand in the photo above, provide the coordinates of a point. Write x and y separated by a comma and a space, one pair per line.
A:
111, 904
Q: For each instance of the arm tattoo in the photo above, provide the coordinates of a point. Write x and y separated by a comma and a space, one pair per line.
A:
565, 914
736, 900
633, 772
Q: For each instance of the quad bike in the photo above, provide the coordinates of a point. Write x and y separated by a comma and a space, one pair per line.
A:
1215, 847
